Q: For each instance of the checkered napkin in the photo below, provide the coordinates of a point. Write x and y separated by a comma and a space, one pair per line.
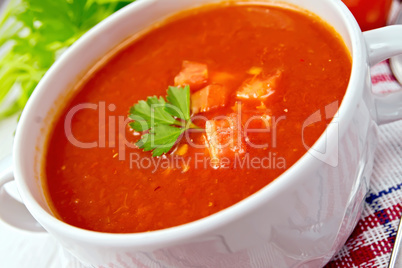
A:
371, 243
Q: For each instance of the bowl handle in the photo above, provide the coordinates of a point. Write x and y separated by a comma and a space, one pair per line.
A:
12, 211
382, 44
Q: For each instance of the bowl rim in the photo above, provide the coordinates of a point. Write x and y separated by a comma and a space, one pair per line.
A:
216, 220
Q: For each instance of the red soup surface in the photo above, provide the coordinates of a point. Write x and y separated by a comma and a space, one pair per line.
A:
256, 74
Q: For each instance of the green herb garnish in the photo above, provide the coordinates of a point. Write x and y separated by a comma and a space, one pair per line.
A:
162, 123
33, 34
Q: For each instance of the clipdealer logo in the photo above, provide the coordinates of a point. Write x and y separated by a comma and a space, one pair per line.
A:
112, 134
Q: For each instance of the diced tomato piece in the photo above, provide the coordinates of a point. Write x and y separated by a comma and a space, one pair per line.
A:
193, 74
259, 88
225, 137
211, 96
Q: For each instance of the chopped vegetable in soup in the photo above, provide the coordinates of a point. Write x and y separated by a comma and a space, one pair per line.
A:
194, 116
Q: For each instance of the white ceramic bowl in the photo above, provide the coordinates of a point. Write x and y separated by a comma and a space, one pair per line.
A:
299, 220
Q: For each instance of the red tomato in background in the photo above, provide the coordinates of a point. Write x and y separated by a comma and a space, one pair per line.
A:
370, 14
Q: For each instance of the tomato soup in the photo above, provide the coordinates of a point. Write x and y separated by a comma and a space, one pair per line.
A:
264, 81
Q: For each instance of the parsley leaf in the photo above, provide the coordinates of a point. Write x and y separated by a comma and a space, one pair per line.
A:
147, 113
162, 123
160, 139
180, 102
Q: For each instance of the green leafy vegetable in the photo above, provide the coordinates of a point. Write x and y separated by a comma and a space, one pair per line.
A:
160, 139
181, 101
33, 34
162, 123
